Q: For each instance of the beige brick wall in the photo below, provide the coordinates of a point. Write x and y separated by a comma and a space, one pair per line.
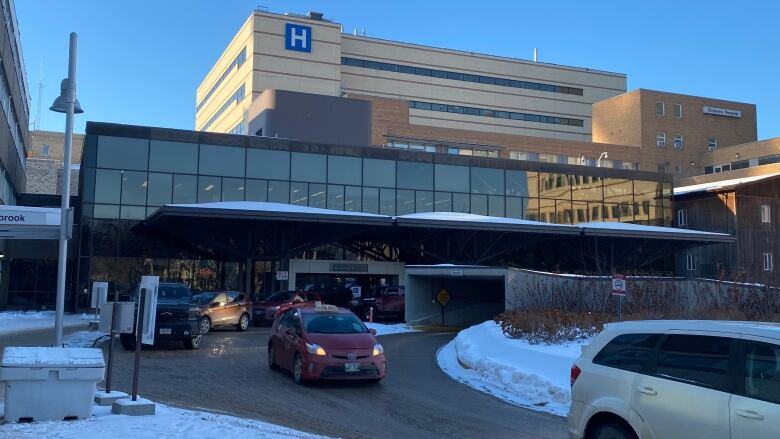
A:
746, 151
618, 122
56, 142
391, 120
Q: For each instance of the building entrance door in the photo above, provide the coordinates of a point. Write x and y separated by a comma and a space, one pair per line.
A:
263, 282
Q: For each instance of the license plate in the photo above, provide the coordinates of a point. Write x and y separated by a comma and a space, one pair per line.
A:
165, 331
351, 367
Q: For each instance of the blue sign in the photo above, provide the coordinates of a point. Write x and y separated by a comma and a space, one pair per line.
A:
297, 37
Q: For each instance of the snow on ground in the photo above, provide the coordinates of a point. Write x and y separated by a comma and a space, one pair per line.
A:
168, 422
84, 339
534, 376
387, 329
16, 321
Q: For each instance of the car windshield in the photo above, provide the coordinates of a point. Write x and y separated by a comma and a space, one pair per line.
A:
173, 292
335, 324
281, 296
205, 298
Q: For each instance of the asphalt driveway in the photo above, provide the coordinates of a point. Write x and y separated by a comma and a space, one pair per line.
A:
229, 375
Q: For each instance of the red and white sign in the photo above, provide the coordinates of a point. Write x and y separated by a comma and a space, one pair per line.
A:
618, 285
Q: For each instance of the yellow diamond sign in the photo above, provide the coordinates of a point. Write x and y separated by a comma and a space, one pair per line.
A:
443, 297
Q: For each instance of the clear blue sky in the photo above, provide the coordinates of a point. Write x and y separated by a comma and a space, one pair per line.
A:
140, 61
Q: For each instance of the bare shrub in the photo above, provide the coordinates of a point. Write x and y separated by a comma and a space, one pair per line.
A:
550, 326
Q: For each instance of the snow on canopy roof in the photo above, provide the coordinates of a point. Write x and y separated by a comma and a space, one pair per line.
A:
263, 206
720, 184
470, 217
455, 219
642, 228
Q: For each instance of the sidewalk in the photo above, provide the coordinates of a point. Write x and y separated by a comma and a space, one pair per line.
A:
39, 336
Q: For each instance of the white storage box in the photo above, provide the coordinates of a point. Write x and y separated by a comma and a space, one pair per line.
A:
50, 383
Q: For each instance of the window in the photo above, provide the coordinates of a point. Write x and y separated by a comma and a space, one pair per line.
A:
45, 150
765, 215
682, 218
660, 108
173, 157
696, 359
722, 168
225, 161
678, 141
768, 262
266, 163
412, 175
631, 352
308, 167
690, 262
494, 113
762, 371
660, 139
712, 144
677, 110
345, 170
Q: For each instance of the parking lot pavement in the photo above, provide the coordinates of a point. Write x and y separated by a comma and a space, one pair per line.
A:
229, 375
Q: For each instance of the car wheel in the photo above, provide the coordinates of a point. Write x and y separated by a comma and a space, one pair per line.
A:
128, 341
298, 370
205, 325
271, 360
193, 342
612, 430
243, 322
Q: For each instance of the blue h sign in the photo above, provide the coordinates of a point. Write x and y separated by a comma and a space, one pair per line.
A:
297, 37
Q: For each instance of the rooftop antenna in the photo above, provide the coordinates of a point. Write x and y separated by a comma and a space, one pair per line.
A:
363, 32
38, 114
536, 55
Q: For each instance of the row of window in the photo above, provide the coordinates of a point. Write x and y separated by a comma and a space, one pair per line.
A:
660, 109
238, 61
6, 100
442, 148
766, 216
484, 112
235, 98
767, 260
698, 360
742, 164
238, 129
571, 160
129, 154
458, 76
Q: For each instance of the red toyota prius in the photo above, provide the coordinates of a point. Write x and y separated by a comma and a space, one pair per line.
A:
325, 342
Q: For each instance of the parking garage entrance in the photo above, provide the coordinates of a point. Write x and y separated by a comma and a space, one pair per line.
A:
454, 295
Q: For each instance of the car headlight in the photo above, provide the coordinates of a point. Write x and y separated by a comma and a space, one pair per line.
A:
314, 348
194, 313
378, 350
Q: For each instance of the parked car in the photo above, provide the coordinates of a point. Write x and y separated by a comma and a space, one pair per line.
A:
678, 379
221, 309
325, 342
387, 301
265, 311
177, 318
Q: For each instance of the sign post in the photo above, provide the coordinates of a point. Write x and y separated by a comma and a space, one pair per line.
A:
99, 296
619, 289
144, 328
443, 298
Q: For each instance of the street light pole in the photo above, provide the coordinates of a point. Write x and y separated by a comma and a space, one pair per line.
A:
68, 92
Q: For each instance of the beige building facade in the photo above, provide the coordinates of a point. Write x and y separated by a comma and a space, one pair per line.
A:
675, 132
45, 162
443, 88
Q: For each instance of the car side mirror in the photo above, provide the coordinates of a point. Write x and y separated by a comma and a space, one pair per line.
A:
372, 331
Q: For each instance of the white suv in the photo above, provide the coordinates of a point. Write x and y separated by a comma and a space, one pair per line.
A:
678, 379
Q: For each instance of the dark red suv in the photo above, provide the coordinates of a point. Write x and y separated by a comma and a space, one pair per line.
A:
325, 342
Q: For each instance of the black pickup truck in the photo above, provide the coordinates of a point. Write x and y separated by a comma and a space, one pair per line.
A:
177, 317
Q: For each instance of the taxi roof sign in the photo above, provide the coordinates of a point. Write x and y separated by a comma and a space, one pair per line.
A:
326, 308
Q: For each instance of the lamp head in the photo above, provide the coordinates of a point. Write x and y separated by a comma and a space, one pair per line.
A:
60, 104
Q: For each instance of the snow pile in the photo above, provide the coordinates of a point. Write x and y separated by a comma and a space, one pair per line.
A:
43, 356
387, 329
168, 422
534, 376
17, 321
